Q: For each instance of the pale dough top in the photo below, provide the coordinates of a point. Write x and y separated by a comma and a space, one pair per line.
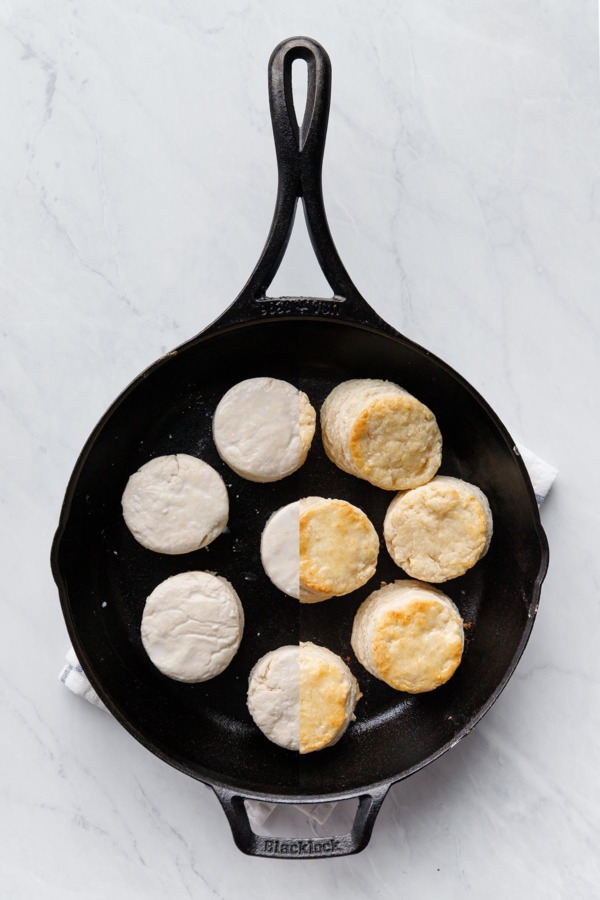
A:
280, 549
263, 428
175, 504
274, 696
192, 626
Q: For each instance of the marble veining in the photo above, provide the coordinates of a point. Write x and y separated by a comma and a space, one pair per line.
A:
462, 180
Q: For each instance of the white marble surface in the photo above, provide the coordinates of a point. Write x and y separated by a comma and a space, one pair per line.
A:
137, 180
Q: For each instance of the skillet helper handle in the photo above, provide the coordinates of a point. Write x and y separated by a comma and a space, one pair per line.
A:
254, 844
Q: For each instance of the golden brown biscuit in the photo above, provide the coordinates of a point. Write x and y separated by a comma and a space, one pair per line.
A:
409, 635
329, 693
440, 530
377, 431
338, 548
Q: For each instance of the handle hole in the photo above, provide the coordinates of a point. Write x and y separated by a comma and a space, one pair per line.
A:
300, 273
299, 89
287, 821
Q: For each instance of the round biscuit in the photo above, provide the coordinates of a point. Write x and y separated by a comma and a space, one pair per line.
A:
302, 697
338, 548
377, 431
263, 428
409, 635
175, 504
440, 530
192, 626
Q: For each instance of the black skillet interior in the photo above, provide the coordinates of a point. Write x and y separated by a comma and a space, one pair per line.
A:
206, 727
104, 575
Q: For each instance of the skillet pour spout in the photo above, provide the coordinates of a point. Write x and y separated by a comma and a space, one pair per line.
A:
104, 576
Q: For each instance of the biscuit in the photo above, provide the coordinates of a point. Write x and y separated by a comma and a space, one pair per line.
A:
175, 504
329, 693
440, 530
274, 696
302, 698
379, 432
317, 548
280, 549
338, 548
263, 428
192, 626
409, 635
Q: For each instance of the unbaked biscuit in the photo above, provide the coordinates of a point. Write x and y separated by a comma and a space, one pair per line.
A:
338, 548
302, 698
377, 431
280, 549
409, 635
274, 696
192, 626
263, 428
440, 530
175, 504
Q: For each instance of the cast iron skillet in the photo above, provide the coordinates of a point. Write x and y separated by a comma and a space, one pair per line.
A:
104, 576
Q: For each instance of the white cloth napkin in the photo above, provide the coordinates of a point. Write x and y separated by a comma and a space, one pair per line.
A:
73, 677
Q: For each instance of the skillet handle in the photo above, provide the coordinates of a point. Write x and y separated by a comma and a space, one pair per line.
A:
254, 844
300, 150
